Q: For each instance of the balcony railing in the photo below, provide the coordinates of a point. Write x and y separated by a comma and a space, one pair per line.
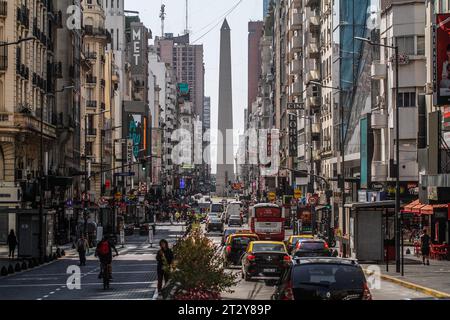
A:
91, 80
91, 55
3, 58
3, 8
23, 16
91, 104
92, 132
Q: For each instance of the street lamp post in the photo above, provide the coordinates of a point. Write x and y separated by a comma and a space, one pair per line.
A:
398, 228
341, 180
42, 172
86, 178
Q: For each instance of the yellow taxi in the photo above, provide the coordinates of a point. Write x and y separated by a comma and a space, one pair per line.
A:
265, 260
235, 246
291, 242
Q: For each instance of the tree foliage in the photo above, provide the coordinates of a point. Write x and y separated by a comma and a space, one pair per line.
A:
198, 271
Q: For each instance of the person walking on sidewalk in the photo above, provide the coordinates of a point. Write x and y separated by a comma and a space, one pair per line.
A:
82, 248
164, 257
12, 243
425, 247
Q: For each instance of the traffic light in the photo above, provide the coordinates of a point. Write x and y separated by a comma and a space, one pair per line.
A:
144, 164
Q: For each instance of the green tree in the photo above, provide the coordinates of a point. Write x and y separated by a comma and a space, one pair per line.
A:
198, 271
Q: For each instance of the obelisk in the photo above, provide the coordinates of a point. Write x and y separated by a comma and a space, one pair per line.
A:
225, 153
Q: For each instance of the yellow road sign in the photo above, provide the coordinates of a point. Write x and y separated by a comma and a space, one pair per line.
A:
297, 193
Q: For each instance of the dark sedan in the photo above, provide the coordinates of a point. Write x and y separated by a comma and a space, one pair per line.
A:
235, 221
323, 279
311, 248
215, 224
264, 260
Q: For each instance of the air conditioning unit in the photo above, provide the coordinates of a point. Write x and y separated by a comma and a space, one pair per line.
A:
429, 88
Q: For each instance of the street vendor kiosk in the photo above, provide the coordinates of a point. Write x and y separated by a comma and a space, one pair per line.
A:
369, 229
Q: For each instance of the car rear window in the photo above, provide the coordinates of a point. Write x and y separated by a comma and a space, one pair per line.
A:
312, 245
336, 276
216, 208
215, 220
243, 241
267, 247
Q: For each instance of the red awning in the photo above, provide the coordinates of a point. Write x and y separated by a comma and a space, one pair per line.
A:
429, 209
409, 208
418, 208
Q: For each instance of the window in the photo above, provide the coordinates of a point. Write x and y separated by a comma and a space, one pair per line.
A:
421, 45
406, 44
406, 99
411, 45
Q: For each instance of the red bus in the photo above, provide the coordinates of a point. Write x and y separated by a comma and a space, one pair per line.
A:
267, 221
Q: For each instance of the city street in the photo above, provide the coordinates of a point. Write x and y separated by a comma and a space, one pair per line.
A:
134, 274
259, 290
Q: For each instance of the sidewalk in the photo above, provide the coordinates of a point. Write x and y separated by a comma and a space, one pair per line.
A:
432, 280
163, 231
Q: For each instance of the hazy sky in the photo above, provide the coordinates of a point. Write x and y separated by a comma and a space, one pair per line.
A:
203, 15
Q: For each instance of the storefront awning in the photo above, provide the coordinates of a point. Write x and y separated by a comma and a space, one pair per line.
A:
430, 209
410, 208
418, 208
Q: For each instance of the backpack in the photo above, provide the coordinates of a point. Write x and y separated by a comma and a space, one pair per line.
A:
103, 248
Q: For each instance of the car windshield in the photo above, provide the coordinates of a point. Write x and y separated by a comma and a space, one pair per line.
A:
267, 247
334, 276
312, 245
216, 207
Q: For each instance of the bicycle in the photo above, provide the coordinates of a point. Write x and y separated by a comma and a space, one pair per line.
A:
106, 274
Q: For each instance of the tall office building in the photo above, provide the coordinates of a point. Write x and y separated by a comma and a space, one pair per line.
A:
187, 62
255, 32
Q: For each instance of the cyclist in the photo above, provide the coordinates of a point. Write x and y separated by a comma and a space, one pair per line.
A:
104, 254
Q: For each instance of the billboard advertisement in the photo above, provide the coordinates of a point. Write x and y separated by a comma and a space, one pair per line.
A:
137, 132
442, 60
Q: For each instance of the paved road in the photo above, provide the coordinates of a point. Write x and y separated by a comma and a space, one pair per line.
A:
134, 272
260, 290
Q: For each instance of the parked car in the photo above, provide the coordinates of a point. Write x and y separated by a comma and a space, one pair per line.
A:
227, 233
311, 248
323, 279
265, 260
214, 224
235, 247
235, 221
291, 242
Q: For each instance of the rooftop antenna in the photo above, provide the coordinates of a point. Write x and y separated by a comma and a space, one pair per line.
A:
162, 15
186, 31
